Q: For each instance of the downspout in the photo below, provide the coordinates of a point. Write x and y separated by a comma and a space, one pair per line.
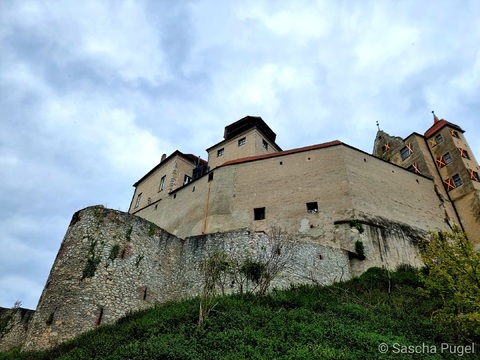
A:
206, 209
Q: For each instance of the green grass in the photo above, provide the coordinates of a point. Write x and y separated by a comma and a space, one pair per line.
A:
343, 321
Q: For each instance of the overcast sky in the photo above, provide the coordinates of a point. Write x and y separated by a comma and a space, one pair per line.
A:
93, 92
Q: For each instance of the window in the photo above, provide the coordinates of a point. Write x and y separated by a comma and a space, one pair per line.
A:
454, 133
385, 148
186, 179
265, 144
220, 152
210, 176
406, 151
448, 158
259, 213
414, 168
139, 197
242, 141
438, 139
464, 153
457, 180
162, 183
312, 207
473, 175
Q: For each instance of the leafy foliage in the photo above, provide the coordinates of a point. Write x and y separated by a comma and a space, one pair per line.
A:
453, 268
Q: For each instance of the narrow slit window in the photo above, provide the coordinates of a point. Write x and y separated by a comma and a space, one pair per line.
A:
210, 176
312, 207
259, 213
99, 318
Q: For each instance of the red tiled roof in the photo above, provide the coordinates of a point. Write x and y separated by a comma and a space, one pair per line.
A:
439, 125
281, 153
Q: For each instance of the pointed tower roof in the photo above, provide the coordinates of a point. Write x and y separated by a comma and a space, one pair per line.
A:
440, 124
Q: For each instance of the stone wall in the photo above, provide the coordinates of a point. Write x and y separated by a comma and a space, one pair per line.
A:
111, 263
13, 327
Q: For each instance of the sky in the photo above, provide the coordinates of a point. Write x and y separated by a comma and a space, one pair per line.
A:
92, 93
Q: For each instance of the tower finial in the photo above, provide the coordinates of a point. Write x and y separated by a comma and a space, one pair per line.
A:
378, 126
435, 119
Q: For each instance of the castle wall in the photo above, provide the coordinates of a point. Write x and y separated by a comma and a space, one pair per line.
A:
344, 182
380, 189
111, 263
13, 327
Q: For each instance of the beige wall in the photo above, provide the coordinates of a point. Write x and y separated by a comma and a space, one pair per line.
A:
174, 170
345, 183
232, 151
381, 189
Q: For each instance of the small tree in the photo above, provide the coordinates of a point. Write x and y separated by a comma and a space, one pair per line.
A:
215, 268
274, 258
454, 275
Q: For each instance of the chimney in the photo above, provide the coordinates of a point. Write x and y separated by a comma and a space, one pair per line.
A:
164, 156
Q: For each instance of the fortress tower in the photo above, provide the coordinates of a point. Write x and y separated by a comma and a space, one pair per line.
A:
444, 155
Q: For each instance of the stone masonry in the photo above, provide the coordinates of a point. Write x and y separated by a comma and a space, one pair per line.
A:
111, 263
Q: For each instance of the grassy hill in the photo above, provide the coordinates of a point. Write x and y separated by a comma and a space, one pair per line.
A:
353, 320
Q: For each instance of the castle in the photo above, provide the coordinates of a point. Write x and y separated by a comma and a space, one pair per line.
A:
252, 183
327, 197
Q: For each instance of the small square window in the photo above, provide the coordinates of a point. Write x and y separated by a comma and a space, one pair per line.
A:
312, 207
438, 139
448, 158
186, 179
457, 180
259, 213
242, 141
265, 144
220, 152
162, 183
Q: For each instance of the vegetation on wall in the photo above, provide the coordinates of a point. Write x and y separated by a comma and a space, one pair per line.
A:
360, 250
93, 260
357, 225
